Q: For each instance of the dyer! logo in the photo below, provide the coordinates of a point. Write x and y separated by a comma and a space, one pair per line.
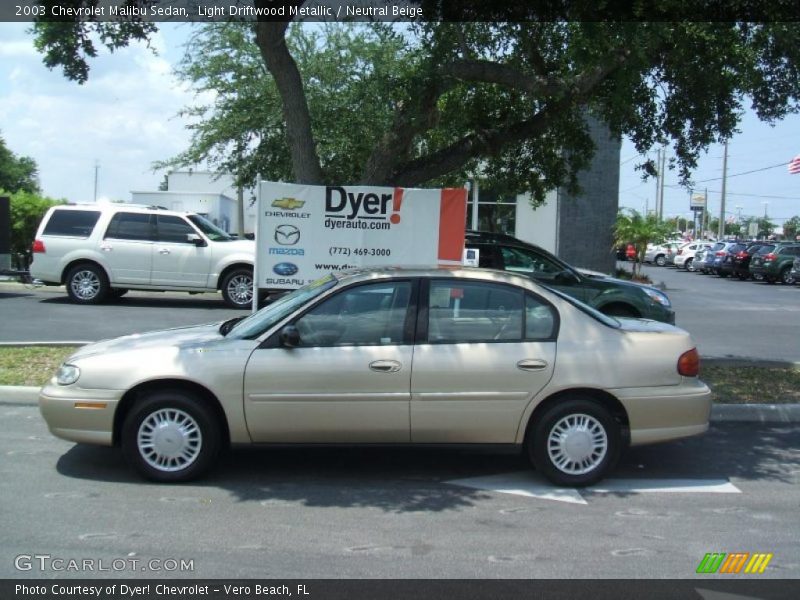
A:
341, 204
734, 563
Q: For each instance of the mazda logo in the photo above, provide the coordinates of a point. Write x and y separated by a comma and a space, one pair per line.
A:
287, 235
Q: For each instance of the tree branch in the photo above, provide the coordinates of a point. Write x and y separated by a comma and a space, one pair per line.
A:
271, 41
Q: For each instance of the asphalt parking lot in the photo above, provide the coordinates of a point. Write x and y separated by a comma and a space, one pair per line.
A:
389, 513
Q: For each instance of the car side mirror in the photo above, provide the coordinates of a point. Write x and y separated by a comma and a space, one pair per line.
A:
566, 278
289, 336
195, 239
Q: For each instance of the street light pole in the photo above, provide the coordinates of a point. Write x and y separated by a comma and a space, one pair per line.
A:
96, 169
721, 229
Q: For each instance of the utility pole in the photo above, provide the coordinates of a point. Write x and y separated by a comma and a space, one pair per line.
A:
96, 169
721, 233
661, 178
658, 181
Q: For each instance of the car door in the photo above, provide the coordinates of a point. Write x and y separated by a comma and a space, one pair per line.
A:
177, 261
484, 350
127, 247
348, 379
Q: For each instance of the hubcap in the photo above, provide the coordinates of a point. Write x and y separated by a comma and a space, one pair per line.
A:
85, 284
169, 440
577, 444
240, 289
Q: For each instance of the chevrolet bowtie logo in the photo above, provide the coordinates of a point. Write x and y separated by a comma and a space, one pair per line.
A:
287, 235
288, 203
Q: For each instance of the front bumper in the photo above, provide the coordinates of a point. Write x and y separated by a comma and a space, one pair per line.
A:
80, 415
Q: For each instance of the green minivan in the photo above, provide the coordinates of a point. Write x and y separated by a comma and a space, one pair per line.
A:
611, 296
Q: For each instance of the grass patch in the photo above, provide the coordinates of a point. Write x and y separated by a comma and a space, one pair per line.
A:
752, 385
32, 365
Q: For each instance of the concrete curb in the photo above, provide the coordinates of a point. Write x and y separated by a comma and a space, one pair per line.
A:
19, 395
749, 413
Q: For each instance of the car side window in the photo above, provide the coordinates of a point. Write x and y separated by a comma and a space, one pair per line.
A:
366, 315
460, 311
173, 229
71, 223
540, 319
527, 262
130, 226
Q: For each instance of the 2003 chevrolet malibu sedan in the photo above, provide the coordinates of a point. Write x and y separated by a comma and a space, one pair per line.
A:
390, 356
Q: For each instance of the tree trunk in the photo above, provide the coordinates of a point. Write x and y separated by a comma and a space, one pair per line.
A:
271, 41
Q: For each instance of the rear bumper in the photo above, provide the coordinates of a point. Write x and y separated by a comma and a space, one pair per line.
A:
666, 413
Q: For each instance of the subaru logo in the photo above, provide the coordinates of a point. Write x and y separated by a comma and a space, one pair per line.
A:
285, 268
287, 235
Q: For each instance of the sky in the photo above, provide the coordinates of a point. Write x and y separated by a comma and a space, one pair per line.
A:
124, 119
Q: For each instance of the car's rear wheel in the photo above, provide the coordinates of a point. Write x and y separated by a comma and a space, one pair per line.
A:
575, 442
786, 276
661, 260
689, 264
87, 283
237, 288
170, 436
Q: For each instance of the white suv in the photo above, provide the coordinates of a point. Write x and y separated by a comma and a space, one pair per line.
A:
101, 251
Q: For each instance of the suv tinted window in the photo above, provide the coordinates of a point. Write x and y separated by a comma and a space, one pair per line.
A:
75, 223
173, 229
527, 262
790, 250
130, 226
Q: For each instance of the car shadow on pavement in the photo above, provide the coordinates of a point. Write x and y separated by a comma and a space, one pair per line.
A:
411, 479
6, 295
150, 302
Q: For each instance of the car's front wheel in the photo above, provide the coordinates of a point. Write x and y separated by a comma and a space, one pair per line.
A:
170, 436
661, 260
575, 442
237, 288
87, 284
786, 276
689, 265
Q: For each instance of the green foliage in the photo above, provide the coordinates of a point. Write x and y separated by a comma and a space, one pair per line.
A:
791, 228
633, 228
765, 227
17, 172
436, 102
27, 210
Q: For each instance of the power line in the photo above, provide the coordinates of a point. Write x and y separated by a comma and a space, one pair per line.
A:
783, 164
740, 194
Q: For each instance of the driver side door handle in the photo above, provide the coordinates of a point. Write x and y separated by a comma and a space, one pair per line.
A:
385, 366
532, 364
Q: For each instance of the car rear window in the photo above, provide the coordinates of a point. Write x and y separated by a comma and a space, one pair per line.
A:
72, 223
766, 249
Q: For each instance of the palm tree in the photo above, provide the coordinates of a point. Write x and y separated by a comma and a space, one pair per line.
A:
633, 228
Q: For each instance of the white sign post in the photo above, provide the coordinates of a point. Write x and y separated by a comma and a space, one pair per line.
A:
307, 231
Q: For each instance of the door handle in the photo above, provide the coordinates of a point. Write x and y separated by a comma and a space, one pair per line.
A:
385, 366
106, 248
532, 364
164, 251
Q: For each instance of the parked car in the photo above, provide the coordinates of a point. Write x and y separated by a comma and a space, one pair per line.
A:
705, 261
661, 254
626, 252
685, 256
741, 260
497, 359
795, 272
99, 252
774, 262
606, 294
724, 259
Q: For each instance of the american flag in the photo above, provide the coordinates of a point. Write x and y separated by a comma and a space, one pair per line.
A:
794, 165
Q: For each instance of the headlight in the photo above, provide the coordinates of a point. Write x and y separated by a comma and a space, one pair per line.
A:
657, 297
67, 374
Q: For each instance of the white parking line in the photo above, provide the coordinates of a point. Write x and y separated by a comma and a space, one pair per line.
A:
531, 485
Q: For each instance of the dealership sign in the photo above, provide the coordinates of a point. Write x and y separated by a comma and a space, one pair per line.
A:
306, 231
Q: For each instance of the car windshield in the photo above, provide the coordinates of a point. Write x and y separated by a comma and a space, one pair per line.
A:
259, 322
214, 233
592, 312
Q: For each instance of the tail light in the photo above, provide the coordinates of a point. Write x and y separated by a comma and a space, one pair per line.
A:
38, 247
720, 253
741, 254
689, 363
770, 256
